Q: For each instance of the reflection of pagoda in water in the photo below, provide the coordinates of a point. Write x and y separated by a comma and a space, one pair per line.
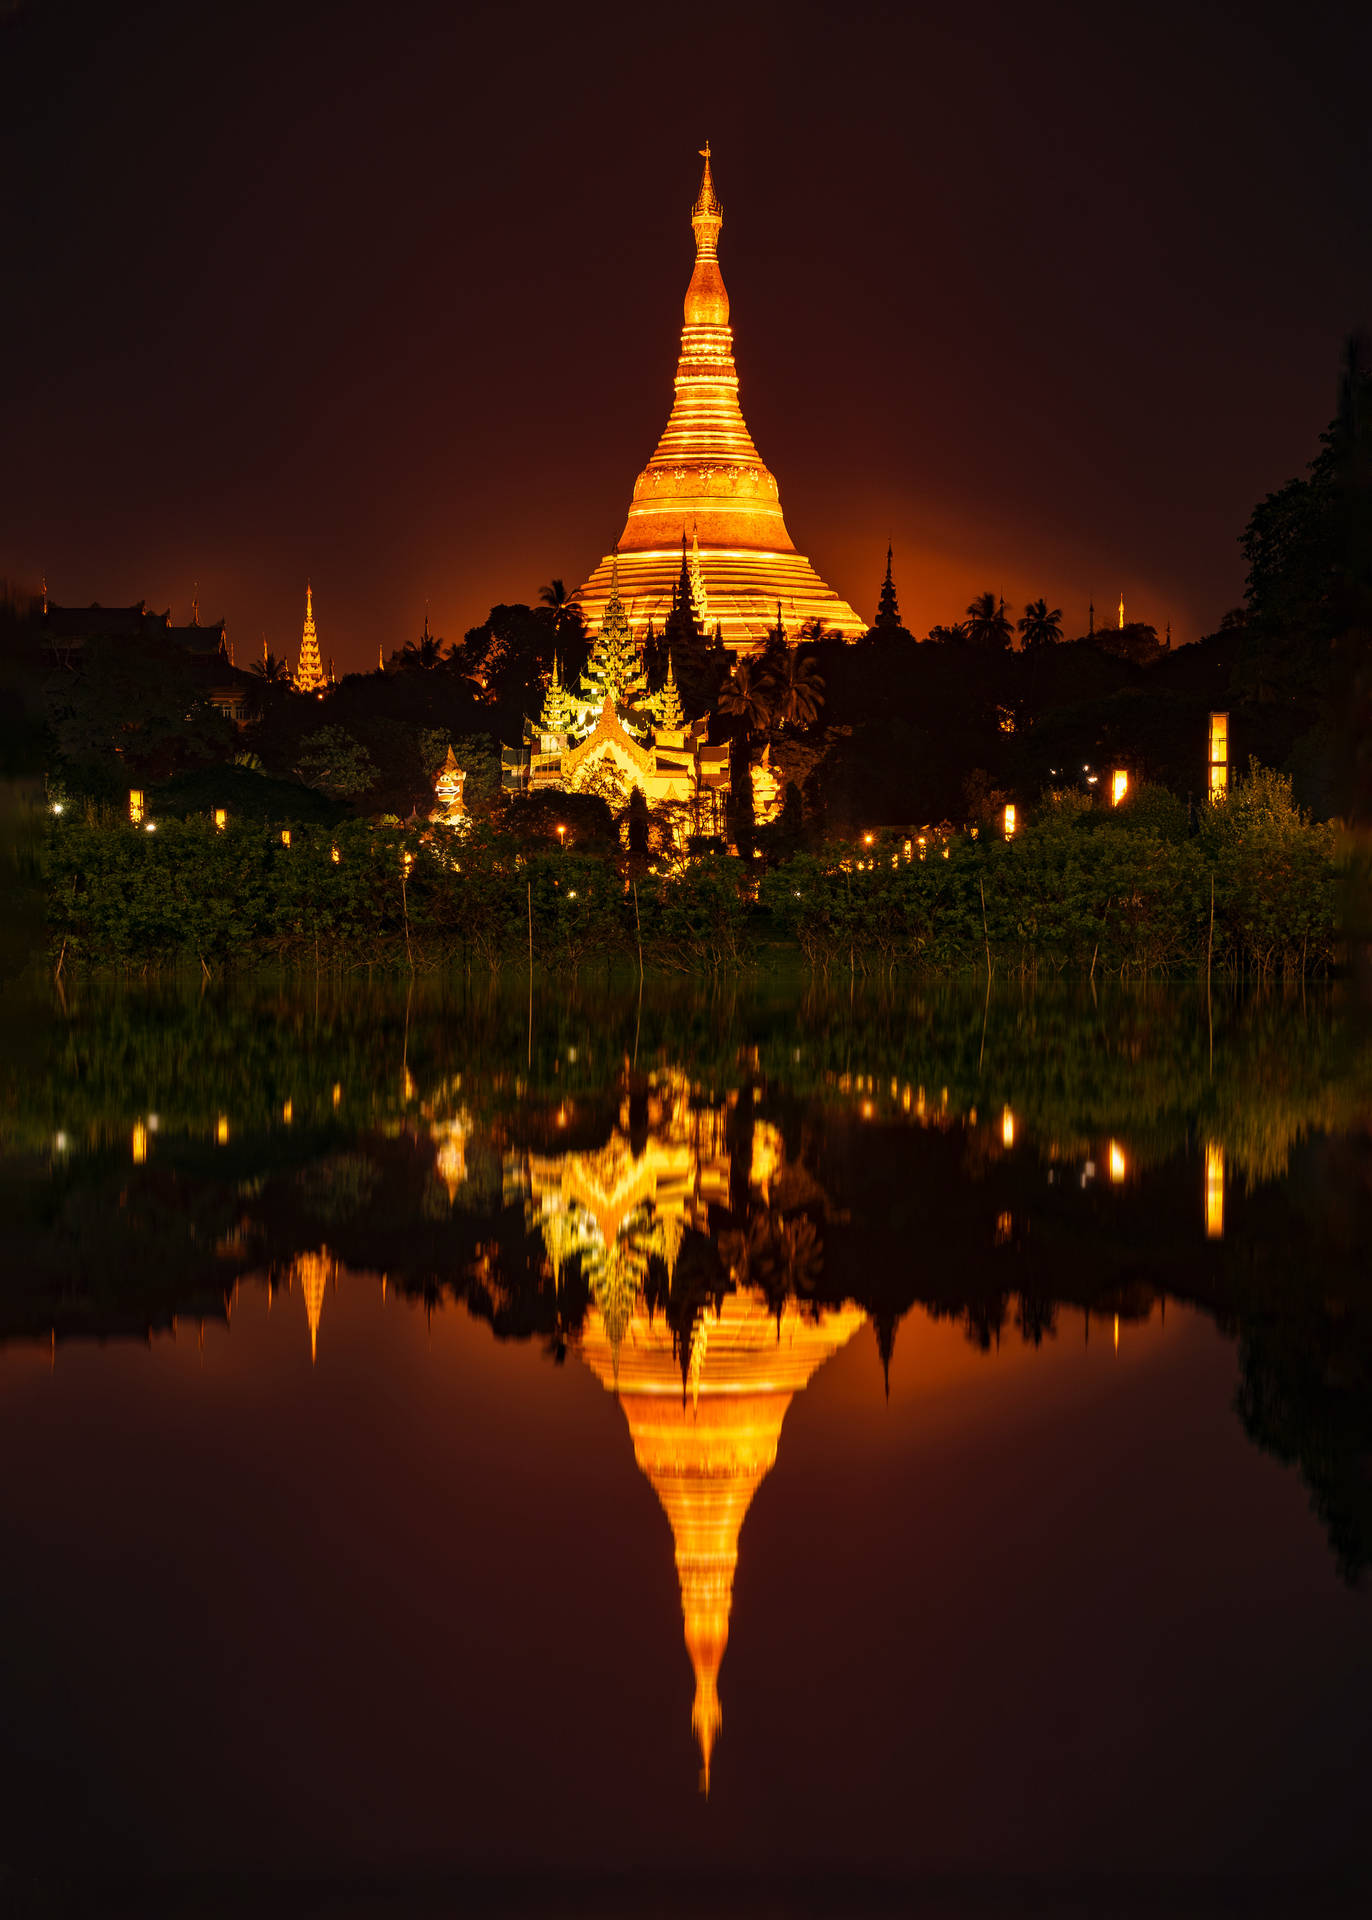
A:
705, 1423
314, 1271
708, 1452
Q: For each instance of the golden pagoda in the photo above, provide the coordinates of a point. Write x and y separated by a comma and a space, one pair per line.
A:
309, 671
707, 1453
705, 483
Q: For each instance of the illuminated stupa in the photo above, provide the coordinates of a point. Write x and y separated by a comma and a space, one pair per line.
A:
706, 483
707, 1453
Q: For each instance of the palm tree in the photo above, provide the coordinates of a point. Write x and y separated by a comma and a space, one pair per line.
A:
1041, 625
555, 596
276, 673
748, 698
988, 624
426, 652
797, 690
812, 631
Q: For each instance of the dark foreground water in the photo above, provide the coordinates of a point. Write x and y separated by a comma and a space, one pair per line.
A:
761, 1452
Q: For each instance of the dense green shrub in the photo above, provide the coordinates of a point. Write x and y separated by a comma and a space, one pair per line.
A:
1079, 888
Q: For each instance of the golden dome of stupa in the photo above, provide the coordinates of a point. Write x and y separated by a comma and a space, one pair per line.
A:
707, 483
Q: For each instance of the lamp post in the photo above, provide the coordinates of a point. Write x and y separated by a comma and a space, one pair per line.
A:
562, 837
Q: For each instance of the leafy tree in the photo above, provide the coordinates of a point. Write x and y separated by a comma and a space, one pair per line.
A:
988, 624
333, 761
1040, 625
1135, 641
422, 655
797, 689
748, 697
136, 707
638, 821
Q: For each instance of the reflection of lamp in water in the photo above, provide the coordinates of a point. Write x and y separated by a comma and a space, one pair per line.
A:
1116, 1162
140, 1143
221, 1131
1214, 1192
1007, 1128
287, 1113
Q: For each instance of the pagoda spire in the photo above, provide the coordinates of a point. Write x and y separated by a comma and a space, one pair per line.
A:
706, 468
699, 604
888, 618
670, 717
309, 672
556, 716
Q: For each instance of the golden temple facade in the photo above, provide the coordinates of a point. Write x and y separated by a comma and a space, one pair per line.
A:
706, 483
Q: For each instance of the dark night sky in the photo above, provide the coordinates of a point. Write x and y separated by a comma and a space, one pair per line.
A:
389, 296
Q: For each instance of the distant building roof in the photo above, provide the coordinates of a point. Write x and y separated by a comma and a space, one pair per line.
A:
73, 626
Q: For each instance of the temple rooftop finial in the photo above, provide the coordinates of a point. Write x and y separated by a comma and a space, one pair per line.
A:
707, 200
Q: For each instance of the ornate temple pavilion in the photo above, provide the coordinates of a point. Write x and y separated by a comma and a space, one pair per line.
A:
706, 482
610, 724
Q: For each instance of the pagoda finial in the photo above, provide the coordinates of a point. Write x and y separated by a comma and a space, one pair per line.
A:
1121, 609
707, 201
707, 303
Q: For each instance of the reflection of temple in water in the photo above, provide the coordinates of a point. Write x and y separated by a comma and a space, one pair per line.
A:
705, 1425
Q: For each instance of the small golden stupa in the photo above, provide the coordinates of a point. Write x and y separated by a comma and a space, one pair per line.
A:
706, 485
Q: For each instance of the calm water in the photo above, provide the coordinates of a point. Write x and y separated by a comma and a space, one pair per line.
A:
771, 1441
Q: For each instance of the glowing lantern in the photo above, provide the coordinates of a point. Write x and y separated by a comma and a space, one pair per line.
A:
333, 855
136, 806
285, 836
139, 1143
1010, 820
1219, 752
1119, 786
221, 819
1116, 1163
1214, 1193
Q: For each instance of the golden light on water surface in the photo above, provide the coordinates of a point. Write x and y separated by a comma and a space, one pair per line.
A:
1214, 1192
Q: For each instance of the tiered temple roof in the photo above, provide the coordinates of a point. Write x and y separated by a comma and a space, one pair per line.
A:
706, 483
309, 672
